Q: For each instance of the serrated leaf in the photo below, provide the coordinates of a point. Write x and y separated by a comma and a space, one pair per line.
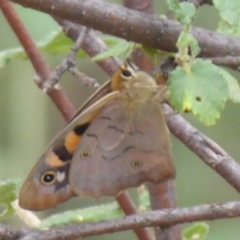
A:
203, 90
7, 196
197, 231
229, 11
120, 48
91, 214
233, 86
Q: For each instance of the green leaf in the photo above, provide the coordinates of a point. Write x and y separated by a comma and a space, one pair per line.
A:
120, 48
91, 214
14, 53
55, 43
58, 43
110, 40
184, 12
233, 86
229, 11
7, 196
197, 231
202, 90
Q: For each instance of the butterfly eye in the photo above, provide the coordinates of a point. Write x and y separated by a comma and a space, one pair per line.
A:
136, 163
126, 73
48, 178
85, 154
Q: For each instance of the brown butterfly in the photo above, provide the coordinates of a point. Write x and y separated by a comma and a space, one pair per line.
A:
117, 140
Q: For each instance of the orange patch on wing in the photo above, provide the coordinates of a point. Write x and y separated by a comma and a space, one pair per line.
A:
71, 141
54, 161
116, 84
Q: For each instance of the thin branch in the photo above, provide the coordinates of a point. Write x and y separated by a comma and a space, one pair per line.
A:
127, 205
163, 196
69, 64
163, 218
92, 44
135, 26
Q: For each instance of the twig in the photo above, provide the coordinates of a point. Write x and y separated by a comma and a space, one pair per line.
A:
92, 44
163, 218
69, 64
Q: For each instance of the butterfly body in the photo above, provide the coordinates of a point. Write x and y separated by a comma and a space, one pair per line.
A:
118, 141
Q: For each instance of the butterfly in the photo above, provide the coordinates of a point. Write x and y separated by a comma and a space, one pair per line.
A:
117, 140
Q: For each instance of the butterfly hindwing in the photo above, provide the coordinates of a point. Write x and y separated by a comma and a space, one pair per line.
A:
123, 147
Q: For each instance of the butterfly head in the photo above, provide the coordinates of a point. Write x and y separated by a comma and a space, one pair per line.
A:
128, 77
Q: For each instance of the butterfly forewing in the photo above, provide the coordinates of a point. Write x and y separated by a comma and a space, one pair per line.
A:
34, 195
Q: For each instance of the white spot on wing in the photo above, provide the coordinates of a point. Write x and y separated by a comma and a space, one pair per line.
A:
60, 176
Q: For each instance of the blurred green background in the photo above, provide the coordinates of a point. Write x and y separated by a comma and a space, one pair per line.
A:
29, 120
